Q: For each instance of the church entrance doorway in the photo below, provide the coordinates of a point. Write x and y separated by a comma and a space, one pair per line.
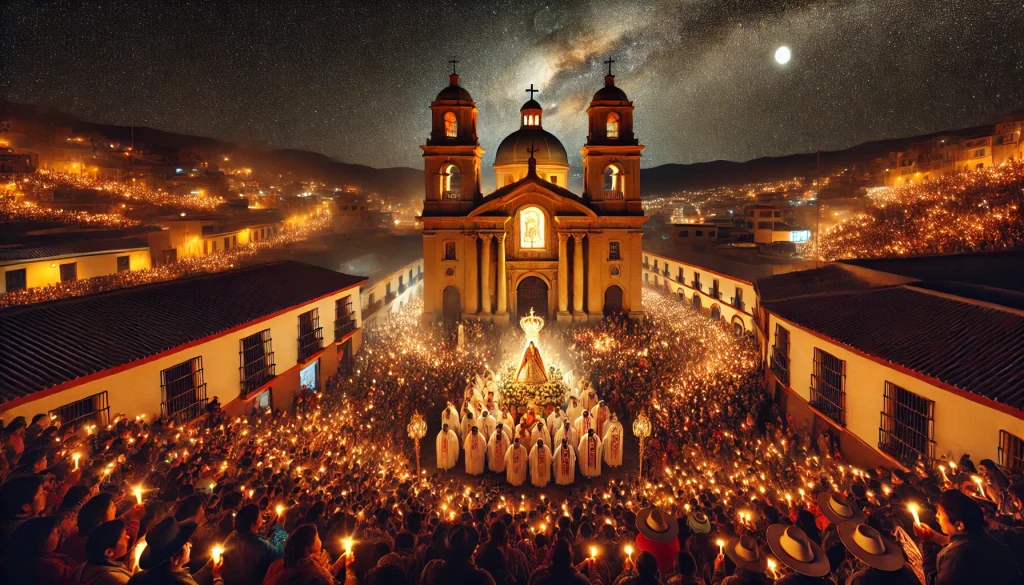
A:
532, 292
612, 300
451, 304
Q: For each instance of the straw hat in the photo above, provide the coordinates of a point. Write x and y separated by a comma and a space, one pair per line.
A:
793, 549
838, 508
746, 554
698, 522
164, 540
656, 525
868, 545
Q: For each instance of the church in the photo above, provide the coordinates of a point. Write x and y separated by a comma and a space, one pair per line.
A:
532, 244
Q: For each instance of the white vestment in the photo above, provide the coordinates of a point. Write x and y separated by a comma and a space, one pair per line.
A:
584, 424
476, 448
540, 465
569, 434
564, 465
450, 416
590, 456
468, 422
574, 410
540, 432
487, 424
601, 416
515, 460
447, 449
496, 447
612, 443
588, 400
555, 418
507, 420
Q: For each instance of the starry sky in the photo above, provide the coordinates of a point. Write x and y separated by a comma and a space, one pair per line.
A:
354, 80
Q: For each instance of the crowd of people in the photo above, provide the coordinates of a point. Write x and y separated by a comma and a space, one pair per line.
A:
327, 490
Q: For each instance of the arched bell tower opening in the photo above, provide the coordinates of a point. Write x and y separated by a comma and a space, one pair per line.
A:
452, 154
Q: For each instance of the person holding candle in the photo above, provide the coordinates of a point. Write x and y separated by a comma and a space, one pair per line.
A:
167, 554
805, 559
99, 509
305, 561
560, 570
247, 555
657, 536
968, 553
21, 498
749, 561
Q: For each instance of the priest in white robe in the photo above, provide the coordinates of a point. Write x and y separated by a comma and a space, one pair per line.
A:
447, 448
567, 432
497, 445
516, 458
540, 464
564, 463
508, 421
590, 454
450, 417
540, 433
612, 442
487, 423
476, 449
589, 399
574, 410
491, 403
601, 413
555, 418
468, 422
585, 423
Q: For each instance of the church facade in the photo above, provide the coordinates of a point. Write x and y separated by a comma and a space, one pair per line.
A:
532, 243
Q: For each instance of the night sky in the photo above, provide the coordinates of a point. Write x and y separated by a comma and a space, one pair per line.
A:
354, 80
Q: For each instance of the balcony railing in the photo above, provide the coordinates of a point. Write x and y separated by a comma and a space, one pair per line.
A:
695, 284
717, 293
647, 266
738, 303
343, 327
665, 273
402, 288
372, 308
257, 373
310, 343
390, 297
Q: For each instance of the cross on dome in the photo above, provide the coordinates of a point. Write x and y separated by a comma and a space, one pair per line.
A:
532, 91
454, 62
609, 64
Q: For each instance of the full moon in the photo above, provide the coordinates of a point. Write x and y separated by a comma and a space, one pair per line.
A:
782, 55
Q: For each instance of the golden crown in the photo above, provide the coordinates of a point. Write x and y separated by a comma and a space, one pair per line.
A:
532, 324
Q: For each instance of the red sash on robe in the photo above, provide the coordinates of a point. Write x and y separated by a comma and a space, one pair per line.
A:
444, 448
615, 444
565, 462
499, 452
516, 459
592, 453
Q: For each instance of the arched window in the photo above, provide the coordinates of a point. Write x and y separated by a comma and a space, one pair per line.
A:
531, 228
612, 182
451, 125
451, 182
612, 125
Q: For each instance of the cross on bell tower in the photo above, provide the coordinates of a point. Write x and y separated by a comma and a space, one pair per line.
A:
532, 91
454, 62
609, 62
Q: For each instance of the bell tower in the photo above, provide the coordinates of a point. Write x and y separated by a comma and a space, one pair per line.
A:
611, 157
452, 154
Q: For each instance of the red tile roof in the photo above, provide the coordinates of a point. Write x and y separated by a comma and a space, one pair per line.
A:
52, 343
975, 348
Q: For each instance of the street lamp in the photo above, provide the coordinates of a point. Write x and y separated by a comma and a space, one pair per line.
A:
417, 430
642, 430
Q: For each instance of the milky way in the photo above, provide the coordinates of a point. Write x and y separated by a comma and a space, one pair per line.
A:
354, 80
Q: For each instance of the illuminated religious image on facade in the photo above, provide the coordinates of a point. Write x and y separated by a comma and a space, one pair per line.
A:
531, 228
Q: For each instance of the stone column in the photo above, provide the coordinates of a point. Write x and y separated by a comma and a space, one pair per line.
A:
470, 263
577, 275
485, 275
563, 275
502, 284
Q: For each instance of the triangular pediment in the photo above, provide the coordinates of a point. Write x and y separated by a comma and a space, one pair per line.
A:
556, 200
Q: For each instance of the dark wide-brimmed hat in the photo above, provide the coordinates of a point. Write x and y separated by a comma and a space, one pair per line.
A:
164, 540
798, 552
838, 508
656, 525
868, 545
746, 554
698, 522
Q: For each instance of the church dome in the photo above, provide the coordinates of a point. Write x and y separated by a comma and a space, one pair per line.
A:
454, 92
610, 93
513, 150
530, 105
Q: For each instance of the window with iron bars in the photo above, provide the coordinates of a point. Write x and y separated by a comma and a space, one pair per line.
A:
257, 361
907, 430
1011, 451
311, 334
344, 319
93, 409
183, 390
828, 386
780, 354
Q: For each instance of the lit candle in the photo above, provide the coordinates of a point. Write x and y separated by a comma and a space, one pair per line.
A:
629, 552
137, 490
217, 551
279, 509
913, 510
593, 552
981, 486
347, 543
76, 457
771, 567
139, 547
721, 546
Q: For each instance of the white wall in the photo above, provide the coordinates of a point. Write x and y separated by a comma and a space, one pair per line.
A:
727, 286
962, 425
136, 390
379, 291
